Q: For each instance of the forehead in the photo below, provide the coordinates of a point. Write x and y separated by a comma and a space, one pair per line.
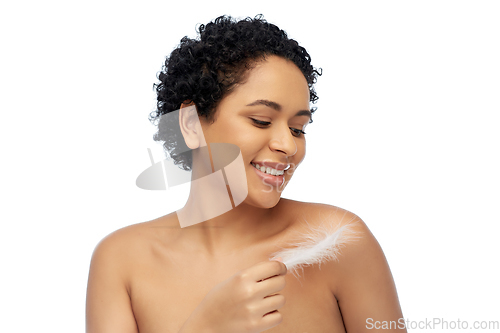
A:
275, 79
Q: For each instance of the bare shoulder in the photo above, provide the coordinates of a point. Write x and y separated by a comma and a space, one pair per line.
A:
117, 245
108, 306
360, 279
313, 215
359, 248
363, 244
123, 247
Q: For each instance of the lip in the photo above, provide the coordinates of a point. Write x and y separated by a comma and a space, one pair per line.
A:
274, 165
269, 179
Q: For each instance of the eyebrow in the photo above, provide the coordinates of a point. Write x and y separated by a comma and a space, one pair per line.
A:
278, 107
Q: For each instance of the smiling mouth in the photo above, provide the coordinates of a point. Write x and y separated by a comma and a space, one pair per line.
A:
268, 170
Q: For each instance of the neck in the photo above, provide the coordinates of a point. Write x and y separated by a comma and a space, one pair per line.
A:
238, 229
212, 222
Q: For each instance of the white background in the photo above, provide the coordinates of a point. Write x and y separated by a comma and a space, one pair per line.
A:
406, 136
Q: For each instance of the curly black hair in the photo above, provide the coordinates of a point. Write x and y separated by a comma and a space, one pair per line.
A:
205, 70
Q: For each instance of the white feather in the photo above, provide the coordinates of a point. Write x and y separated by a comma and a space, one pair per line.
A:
318, 246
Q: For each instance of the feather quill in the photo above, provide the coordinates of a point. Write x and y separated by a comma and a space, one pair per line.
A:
318, 246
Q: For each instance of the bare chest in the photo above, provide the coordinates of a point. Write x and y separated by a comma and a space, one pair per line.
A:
164, 296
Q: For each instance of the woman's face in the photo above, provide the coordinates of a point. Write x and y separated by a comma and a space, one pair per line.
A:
265, 117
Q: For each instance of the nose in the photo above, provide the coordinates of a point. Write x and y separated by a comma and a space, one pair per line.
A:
283, 141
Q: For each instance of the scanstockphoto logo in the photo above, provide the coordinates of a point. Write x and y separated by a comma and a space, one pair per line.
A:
433, 324
217, 176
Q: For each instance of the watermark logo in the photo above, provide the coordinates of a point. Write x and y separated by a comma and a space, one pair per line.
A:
218, 179
431, 324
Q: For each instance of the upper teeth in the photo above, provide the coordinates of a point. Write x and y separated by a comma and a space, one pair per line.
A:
269, 170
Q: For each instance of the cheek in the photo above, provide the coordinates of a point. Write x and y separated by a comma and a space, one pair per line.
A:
223, 132
250, 142
250, 148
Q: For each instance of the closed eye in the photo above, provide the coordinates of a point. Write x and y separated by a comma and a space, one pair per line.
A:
261, 123
295, 131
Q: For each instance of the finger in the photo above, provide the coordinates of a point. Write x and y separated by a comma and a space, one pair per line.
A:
272, 319
270, 286
269, 305
266, 269
272, 303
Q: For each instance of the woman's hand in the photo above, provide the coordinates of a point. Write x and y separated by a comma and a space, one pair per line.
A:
247, 302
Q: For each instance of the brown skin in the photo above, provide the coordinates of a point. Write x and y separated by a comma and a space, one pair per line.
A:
215, 276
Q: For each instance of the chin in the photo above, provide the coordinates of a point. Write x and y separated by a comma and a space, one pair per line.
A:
261, 199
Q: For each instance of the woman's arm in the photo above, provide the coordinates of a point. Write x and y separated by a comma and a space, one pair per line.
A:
108, 303
365, 289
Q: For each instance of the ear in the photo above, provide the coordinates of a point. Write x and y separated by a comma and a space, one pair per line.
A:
190, 126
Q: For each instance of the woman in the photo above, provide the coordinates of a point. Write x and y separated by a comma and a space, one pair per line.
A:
250, 86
